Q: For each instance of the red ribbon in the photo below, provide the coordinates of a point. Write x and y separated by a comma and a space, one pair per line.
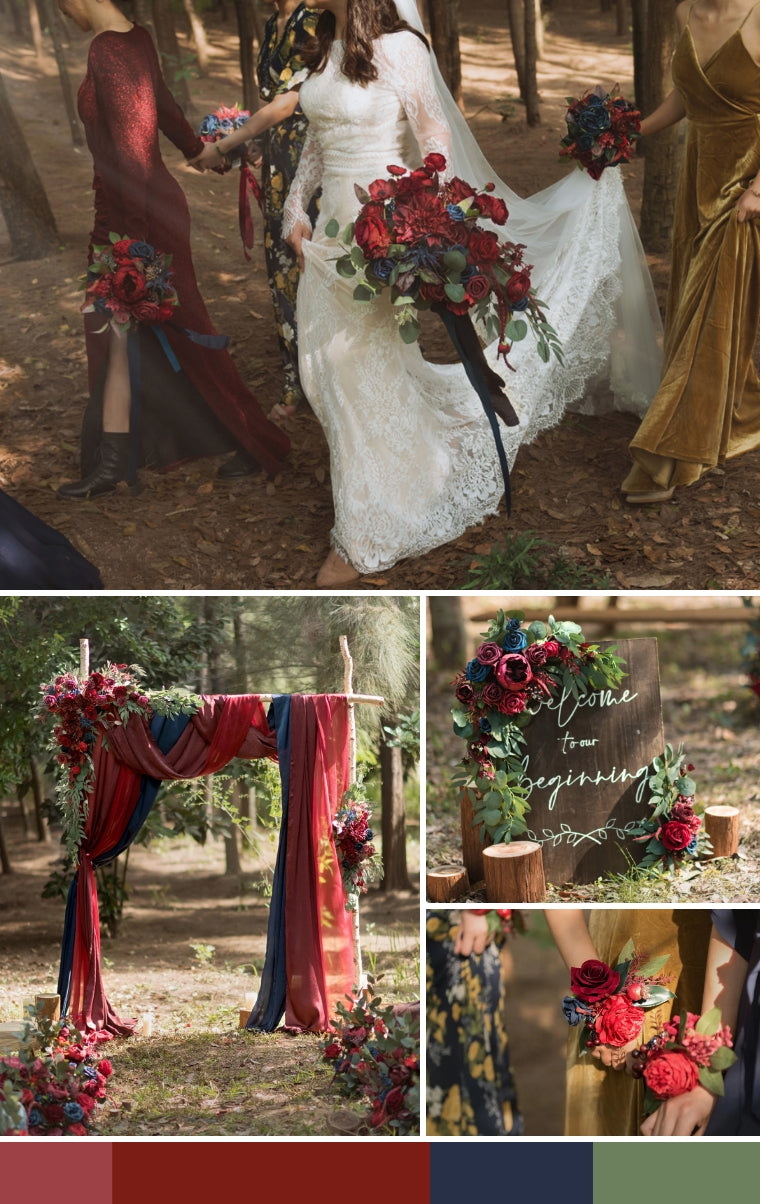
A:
248, 184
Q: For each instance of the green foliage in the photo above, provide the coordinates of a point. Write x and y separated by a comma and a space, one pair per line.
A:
524, 560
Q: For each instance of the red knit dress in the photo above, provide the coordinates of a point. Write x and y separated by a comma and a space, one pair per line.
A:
205, 408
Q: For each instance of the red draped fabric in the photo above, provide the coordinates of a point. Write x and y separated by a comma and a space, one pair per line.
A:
318, 929
223, 728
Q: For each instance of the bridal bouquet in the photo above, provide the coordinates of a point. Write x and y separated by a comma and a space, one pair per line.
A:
513, 672
129, 282
608, 1003
601, 131
689, 1050
420, 239
217, 125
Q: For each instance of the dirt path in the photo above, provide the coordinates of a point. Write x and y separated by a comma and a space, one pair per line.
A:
187, 530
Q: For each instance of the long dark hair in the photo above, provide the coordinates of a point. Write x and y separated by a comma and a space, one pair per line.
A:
365, 21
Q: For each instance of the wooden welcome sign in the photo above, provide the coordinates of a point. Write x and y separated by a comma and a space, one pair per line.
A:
585, 767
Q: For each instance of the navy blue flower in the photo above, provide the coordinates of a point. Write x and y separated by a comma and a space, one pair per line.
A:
518, 306
35, 1117
515, 639
584, 142
209, 125
73, 1111
485, 726
468, 273
382, 268
455, 213
691, 847
141, 250
477, 672
369, 835
570, 1011
594, 120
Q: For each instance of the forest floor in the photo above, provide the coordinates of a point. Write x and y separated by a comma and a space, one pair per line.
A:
190, 949
706, 706
187, 529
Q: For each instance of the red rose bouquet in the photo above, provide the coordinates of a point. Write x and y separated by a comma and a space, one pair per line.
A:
129, 282
689, 1050
607, 1003
673, 831
375, 1053
514, 671
421, 239
56, 1082
359, 862
601, 131
217, 125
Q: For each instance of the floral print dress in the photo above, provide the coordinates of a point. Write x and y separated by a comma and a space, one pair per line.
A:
470, 1090
279, 69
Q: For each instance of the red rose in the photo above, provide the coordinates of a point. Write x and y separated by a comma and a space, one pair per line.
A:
128, 284
371, 232
396, 171
493, 208
432, 292
105, 1067
492, 695
458, 190
382, 190
518, 286
675, 835
53, 1112
478, 287
489, 653
394, 1100
684, 813
146, 311
536, 654
551, 647
594, 980
618, 1021
458, 307
165, 312
483, 246
670, 1073
77, 1131
332, 1050
435, 162
512, 704
120, 250
513, 671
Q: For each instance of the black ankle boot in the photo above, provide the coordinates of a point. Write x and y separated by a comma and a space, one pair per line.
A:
109, 470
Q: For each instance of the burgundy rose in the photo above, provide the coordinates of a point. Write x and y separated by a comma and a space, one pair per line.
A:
371, 232
458, 190
618, 1021
128, 284
513, 671
465, 692
394, 1100
489, 653
478, 287
120, 250
146, 311
675, 835
492, 695
594, 980
332, 1050
670, 1073
435, 162
518, 287
382, 190
432, 292
512, 704
536, 654
493, 208
551, 648
684, 813
483, 246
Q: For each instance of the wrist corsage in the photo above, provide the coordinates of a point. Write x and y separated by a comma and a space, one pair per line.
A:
501, 921
608, 1003
688, 1051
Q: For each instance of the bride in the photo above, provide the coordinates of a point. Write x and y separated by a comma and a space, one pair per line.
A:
412, 458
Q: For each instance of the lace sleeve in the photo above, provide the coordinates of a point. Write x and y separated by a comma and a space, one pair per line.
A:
306, 181
408, 65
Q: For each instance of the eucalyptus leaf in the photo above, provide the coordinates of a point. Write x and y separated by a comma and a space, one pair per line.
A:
332, 229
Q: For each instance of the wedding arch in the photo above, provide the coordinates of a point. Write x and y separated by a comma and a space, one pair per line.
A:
313, 958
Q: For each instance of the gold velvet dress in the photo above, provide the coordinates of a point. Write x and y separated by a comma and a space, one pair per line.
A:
608, 1103
707, 408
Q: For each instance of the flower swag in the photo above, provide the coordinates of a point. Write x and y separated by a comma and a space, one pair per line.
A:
513, 673
360, 863
86, 707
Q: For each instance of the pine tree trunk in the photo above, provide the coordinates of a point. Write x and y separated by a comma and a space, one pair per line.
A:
246, 31
517, 34
539, 30
533, 113
449, 633
444, 35
63, 74
639, 10
144, 17
5, 864
43, 831
199, 36
171, 55
34, 24
662, 157
23, 201
621, 9
395, 874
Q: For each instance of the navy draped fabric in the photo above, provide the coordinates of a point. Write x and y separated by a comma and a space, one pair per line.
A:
270, 1003
165, 732
737, 1112
36, 556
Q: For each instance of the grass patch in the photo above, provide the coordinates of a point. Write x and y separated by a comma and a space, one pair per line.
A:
525, 561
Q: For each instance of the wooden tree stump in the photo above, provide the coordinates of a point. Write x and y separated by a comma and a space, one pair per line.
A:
514, 873
48, 1006
472, 845
722, 826
446, 883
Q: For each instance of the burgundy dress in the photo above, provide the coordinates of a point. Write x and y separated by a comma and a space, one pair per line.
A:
205, 408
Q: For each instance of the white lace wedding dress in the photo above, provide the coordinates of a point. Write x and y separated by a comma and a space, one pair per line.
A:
412, 457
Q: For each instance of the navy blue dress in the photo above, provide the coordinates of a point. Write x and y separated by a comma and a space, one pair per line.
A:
737, 1113
35, 556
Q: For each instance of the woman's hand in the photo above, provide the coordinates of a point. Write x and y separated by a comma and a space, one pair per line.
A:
472, 936
209, 157
615, 1057
295, 240
684, 1116
748, 206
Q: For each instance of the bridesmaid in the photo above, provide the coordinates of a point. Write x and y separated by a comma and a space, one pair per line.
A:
205, 408
470, 1090
707, 409
609, 1105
